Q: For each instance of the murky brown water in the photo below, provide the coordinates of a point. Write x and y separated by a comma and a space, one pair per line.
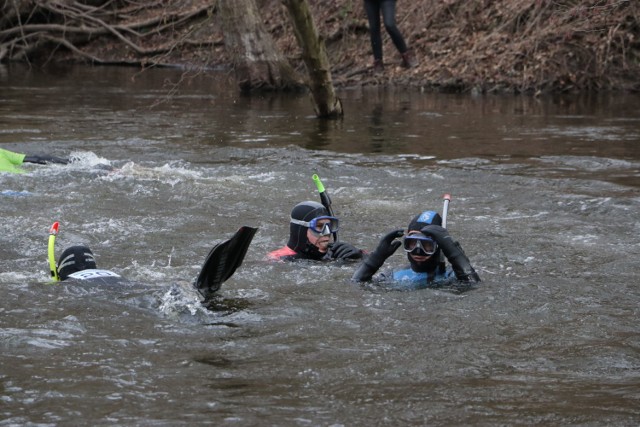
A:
545, 201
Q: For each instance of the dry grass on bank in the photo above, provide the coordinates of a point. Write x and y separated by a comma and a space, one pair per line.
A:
493, 45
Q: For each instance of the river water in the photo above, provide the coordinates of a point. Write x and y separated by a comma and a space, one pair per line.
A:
545, 201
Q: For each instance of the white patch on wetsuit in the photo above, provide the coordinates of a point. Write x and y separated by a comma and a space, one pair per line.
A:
92, 274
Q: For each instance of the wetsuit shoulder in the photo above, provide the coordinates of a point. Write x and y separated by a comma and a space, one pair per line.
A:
283, 254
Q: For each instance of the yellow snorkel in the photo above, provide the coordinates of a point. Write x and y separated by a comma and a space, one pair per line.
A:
53, 232
325, 199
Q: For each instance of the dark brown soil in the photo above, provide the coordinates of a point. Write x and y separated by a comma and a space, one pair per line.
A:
531, 46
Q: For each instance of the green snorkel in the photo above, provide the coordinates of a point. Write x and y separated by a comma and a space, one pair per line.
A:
324, 199
53, 232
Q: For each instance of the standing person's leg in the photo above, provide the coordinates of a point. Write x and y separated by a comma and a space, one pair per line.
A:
372, 8
388, 8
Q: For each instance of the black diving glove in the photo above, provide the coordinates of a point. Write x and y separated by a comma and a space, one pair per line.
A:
454, 253
342, 251
387, 246
44, 159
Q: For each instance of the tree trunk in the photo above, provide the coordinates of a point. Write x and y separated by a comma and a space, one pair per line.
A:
258, 63
314, 55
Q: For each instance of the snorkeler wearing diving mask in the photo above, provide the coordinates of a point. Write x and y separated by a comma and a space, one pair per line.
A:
310, 236
424, 243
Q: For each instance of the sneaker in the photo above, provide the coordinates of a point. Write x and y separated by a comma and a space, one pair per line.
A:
408, 59
378, 66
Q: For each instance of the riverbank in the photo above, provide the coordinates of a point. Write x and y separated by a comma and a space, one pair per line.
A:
490, 46
503, 46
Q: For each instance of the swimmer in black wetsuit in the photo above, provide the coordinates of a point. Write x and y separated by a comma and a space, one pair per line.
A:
77, 263
310, 230
11, 161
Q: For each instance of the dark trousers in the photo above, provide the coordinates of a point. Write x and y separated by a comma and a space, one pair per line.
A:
374, 8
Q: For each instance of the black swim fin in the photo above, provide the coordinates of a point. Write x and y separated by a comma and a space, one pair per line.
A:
223, 260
